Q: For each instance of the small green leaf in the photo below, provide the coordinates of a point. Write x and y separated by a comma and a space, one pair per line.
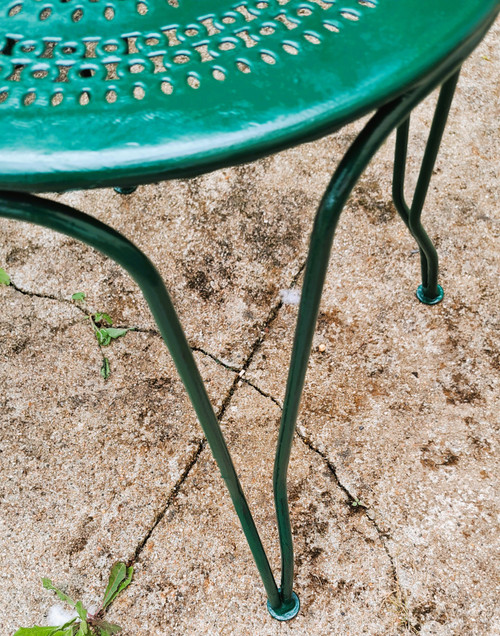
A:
357, 503
78, 296
116, 333
119, 573
84, 629
103, 338
48, 585
105, 369
124, 584
34, 631
63, 628
100, 317
106, 334
4, 277
81, 611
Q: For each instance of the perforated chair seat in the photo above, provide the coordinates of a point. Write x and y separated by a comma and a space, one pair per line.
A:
121, 92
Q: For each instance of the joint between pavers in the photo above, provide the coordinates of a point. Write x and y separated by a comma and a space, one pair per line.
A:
225, 403
147, 330
196, 453
33, 294
263, 393
173, 493
273, 314
400, 598
185, 474
221, 363
66, 301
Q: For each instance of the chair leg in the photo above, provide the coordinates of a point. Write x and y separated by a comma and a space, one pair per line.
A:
429, 292
87, 229
349, 170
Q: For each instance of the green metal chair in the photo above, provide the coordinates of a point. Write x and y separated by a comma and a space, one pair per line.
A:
127, 92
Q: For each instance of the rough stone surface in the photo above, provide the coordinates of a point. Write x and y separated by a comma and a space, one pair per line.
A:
87, 466
399, 416
344, 576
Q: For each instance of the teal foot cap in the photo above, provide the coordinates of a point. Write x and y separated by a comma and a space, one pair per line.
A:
288, 612
126, 190
429, 301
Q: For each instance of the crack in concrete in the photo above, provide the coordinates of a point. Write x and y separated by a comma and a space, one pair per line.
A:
67, 301
202, 443
227, 400
148, 330
355, 503
352, 499
216, 359
32, 294
173, 494
400, 597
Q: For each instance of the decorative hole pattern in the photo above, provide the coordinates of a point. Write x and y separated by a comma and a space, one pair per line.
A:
81, 53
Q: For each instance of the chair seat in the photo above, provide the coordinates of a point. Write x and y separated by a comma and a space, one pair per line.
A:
96, 93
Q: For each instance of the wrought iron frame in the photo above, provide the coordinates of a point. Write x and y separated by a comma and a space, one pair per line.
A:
283, 604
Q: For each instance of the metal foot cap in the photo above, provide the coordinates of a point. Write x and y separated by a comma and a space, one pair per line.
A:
429, 301
285, 613
126, 190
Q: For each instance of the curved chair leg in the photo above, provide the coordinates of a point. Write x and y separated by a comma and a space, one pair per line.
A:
85, 228
429, 292
349, 170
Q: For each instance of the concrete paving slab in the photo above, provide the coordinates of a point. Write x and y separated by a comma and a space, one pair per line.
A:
408, 417
226, 244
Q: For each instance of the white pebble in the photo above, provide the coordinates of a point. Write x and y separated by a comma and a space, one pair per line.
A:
57, 615
290, 296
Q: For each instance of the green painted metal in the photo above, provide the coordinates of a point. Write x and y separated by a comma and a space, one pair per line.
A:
87, 229
313, 66
127, 92
292, 610
348, 172
429, 292
421, 294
